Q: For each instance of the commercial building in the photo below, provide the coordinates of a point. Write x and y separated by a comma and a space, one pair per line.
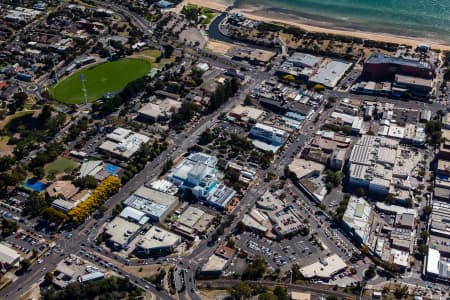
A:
159, 112
337, 159
121, 232
444, 149
123, 143
246, 114
377, 163
357, 219
155, 204
268, 138
440, 223
217, 262
416, 86
198, 174
21, 14
91, 277
214, 266
305, 168
379, 67
8, 257
252, 55
156, 242
133, 215
304, 60
192, 221
325, 268
437, 266
330, 72
285, 221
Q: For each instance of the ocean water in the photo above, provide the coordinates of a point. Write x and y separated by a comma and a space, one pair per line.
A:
419, 18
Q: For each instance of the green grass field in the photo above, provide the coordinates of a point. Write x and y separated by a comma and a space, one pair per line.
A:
100, 79
60, 166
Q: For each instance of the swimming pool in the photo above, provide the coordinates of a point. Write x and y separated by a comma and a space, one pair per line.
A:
112, 168
35, 185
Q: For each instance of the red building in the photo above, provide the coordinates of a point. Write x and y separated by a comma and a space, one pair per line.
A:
380, 67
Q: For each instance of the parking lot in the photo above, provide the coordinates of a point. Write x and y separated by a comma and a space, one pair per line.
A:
300, 250
25, 242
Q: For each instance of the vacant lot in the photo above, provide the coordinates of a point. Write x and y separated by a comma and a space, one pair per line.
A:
109, 77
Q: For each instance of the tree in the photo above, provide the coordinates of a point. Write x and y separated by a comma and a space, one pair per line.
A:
167, 166
54, 215
20, 99
401, 291
255, 270
241, 290
370, 272
38, 172
319, 87
433, 131
360, 192
86, 182
248, 100
46, 113
8, 227
25, 264
281, 293
289, 77
48, 278
427, 210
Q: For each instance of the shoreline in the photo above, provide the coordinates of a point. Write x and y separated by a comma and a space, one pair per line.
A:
261, 13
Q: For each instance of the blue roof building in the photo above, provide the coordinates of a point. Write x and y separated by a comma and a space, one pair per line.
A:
164, 4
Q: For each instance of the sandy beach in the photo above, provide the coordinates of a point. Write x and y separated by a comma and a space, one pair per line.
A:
260, 14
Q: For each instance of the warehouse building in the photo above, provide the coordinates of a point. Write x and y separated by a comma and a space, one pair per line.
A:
155, 204
8, 257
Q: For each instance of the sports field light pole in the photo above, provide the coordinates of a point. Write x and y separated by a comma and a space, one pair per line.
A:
83, 79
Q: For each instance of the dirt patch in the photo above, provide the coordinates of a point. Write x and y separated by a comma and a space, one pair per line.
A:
213, 294
33, 293
193, 36
146, 271
219, 47
5, 149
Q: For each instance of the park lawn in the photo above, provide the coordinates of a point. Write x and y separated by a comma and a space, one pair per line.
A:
109, 77
60, 166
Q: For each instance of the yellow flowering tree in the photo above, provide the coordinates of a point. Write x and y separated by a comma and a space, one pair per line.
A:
104, 190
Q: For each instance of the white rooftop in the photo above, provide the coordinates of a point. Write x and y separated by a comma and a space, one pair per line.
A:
134, 214
124, 142
357, 217
121, 230
8, 255
157, 237
325, 268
